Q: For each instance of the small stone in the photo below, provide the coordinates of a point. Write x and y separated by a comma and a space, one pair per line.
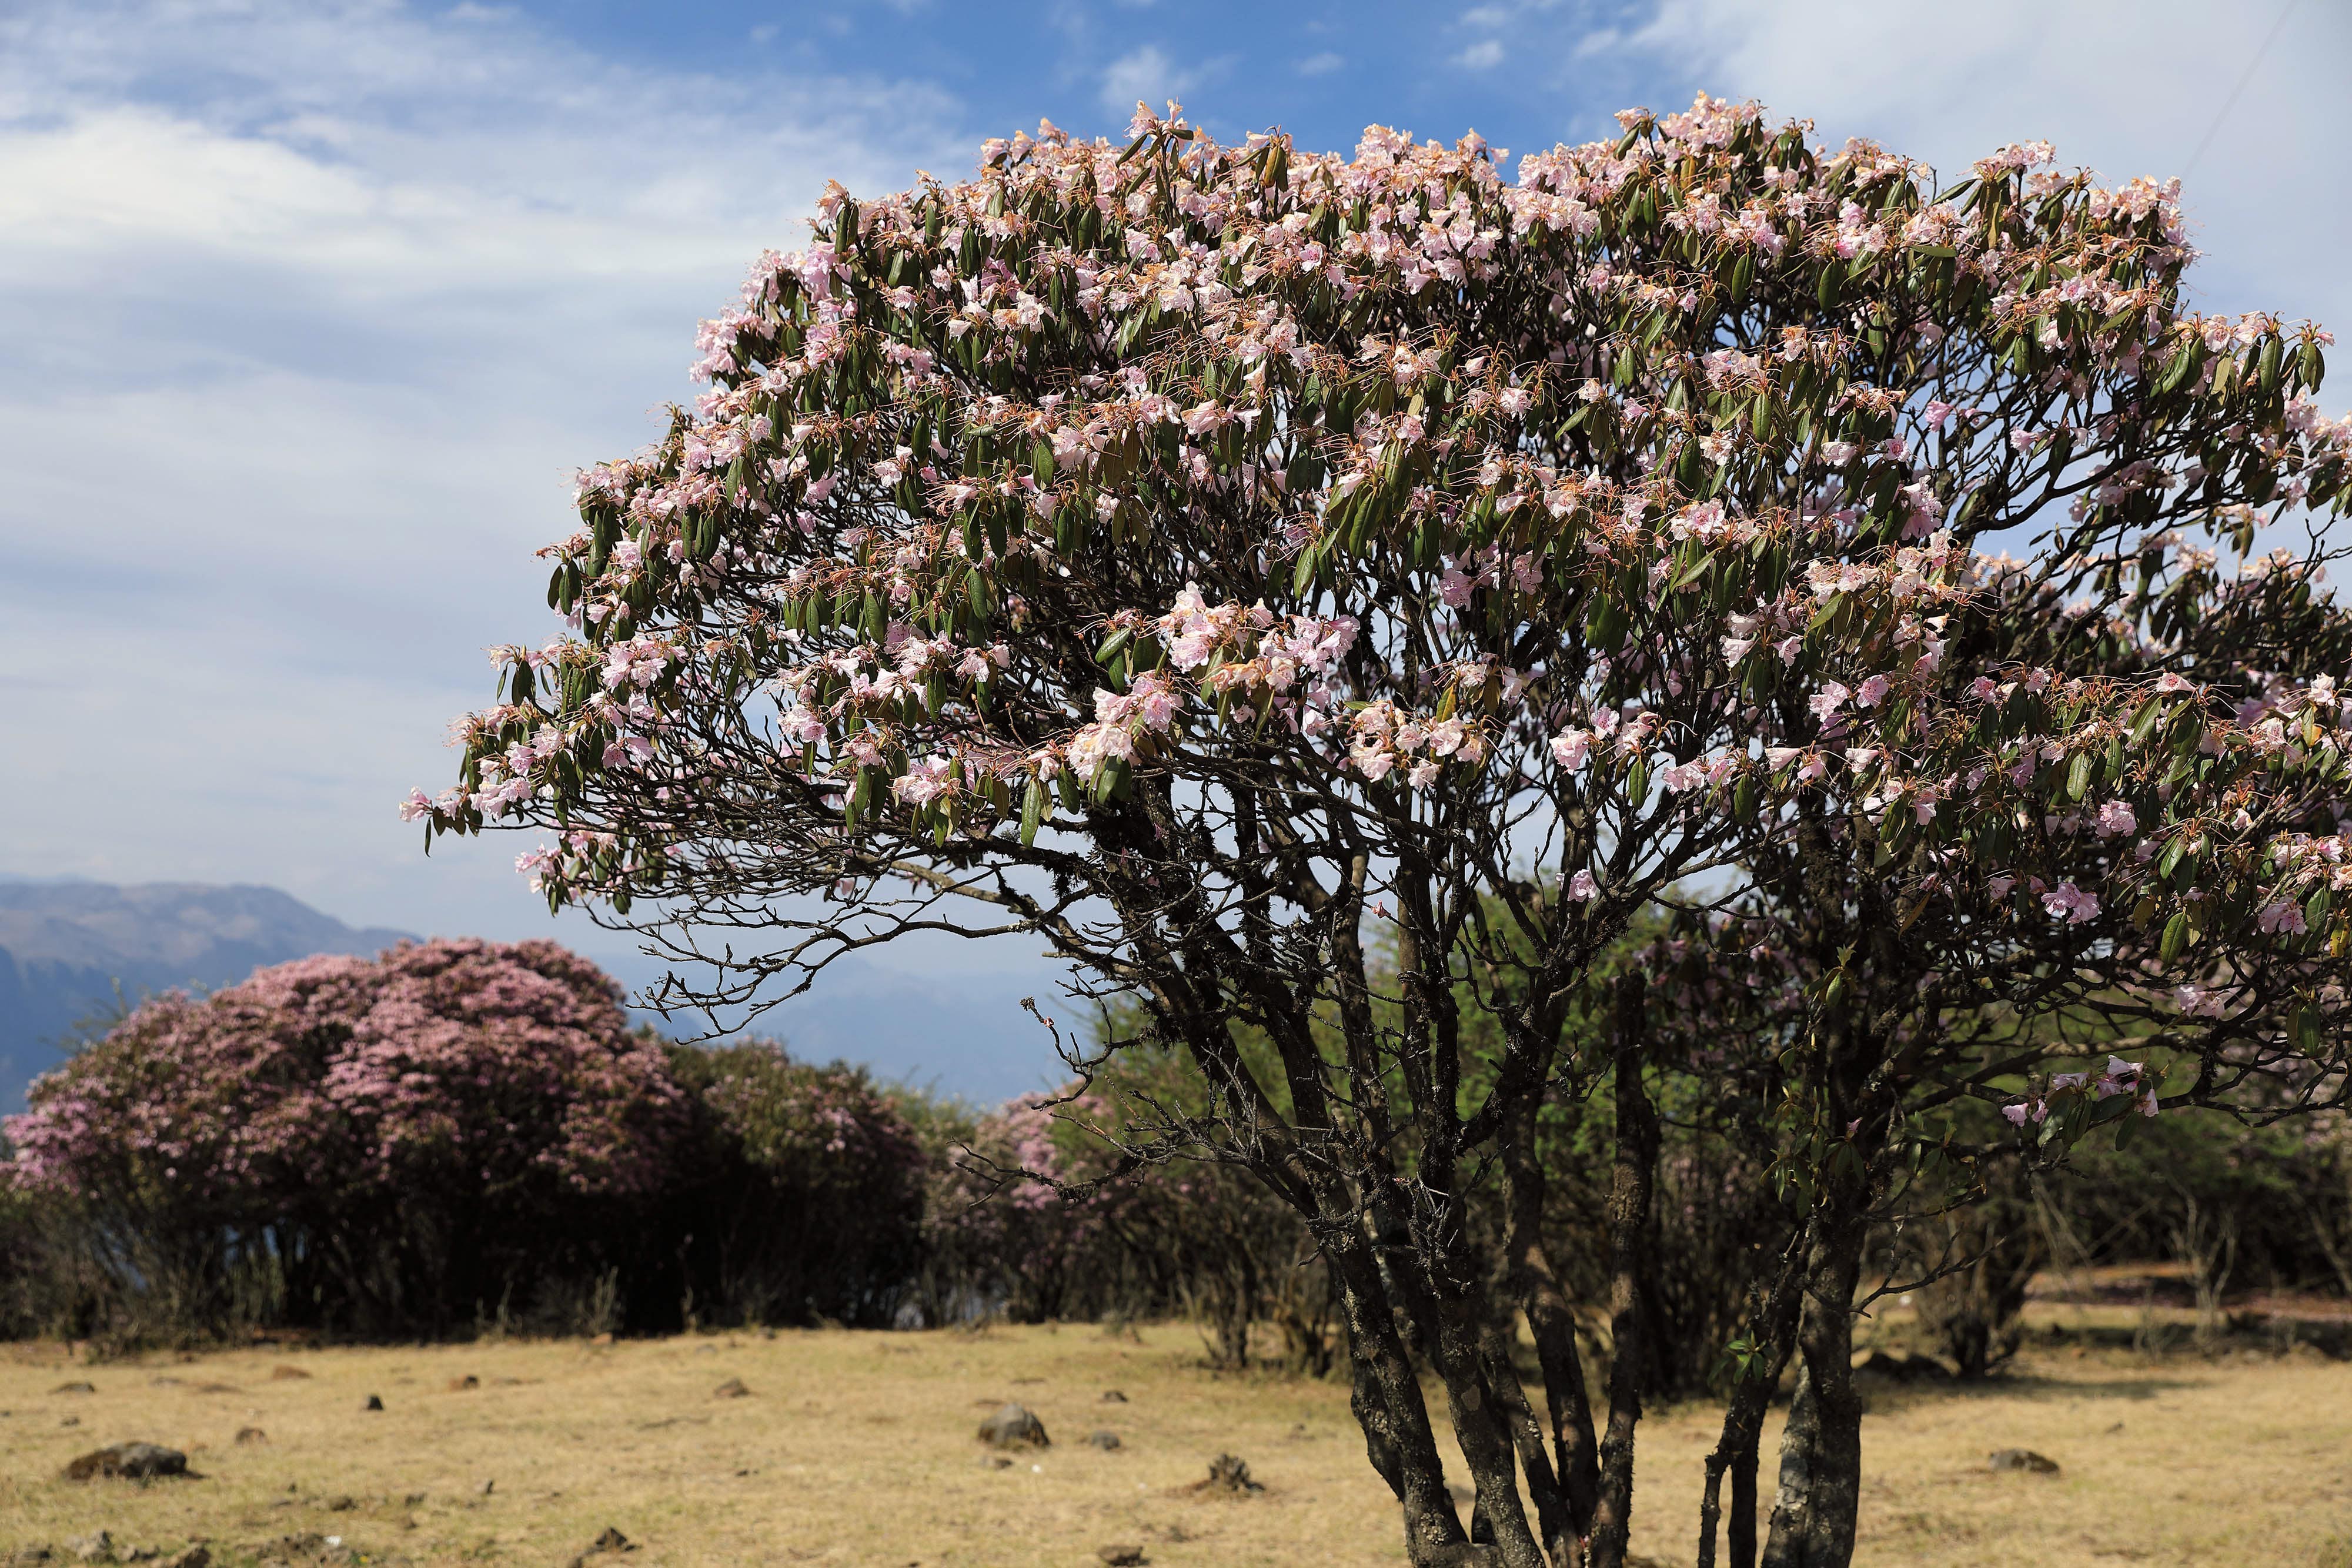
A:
75, 1388
1113, 1397
249, 1436
2022, 1460
373, 1403
1012, 1426
129, 1461
612, 1540
486, 1486
459, 1385
1103, 1440
731, 1389
287, 1374
1121, 1556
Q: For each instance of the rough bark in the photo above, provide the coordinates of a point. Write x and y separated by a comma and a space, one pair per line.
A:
1387, 1398
1821, 1449
1551, 1322
1631, 1183
1772, 1321
1484, 1439
1527, 1432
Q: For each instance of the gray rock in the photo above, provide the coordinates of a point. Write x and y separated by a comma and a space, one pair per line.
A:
731, 1389
75, 1388
1113, 1397
129, 1461
1013, 1427
98, 1548
2022, 1460
1103, 1440
373, 1403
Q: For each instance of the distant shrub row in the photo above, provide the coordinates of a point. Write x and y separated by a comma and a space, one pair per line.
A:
467, 1135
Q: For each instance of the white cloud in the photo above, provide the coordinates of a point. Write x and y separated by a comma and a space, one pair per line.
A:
1145, 75
2126, 87
1485, 55
1323, 64
306, 313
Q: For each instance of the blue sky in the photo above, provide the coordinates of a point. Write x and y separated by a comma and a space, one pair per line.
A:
309, 309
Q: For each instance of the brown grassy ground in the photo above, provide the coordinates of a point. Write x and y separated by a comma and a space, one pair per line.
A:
858, 1448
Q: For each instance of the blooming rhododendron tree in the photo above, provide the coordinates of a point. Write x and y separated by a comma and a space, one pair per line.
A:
335, 1110
1193, 555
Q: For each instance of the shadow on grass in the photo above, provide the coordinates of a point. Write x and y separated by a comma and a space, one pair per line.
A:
2031, 1385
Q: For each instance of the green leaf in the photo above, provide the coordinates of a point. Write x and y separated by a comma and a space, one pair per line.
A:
1033, 811
2078, 775
2176, 937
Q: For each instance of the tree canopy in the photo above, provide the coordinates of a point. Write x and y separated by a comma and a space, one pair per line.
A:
1221, 561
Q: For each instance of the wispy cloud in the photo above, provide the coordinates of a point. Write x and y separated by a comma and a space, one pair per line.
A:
1482, 56
1147, 76
2016, 70
306, 314
1322, 65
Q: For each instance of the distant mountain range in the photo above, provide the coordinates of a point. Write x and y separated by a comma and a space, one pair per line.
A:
67, 945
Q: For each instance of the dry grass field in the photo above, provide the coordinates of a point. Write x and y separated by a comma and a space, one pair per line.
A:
858, 1448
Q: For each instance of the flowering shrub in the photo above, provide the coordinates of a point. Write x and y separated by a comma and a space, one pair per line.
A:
482, 1066
799, 1196
390, 1136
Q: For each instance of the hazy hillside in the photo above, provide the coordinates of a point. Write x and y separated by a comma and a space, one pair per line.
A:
64, 945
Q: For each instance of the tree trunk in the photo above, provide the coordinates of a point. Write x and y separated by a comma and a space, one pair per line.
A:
1386, 1396
1821, 1449
1551, 1322
1479, 1427
1772, 1321
1631, 1182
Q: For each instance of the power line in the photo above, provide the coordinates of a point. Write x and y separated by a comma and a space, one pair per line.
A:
2244, 77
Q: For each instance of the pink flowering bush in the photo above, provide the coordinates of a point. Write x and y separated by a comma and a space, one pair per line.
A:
382, 1134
